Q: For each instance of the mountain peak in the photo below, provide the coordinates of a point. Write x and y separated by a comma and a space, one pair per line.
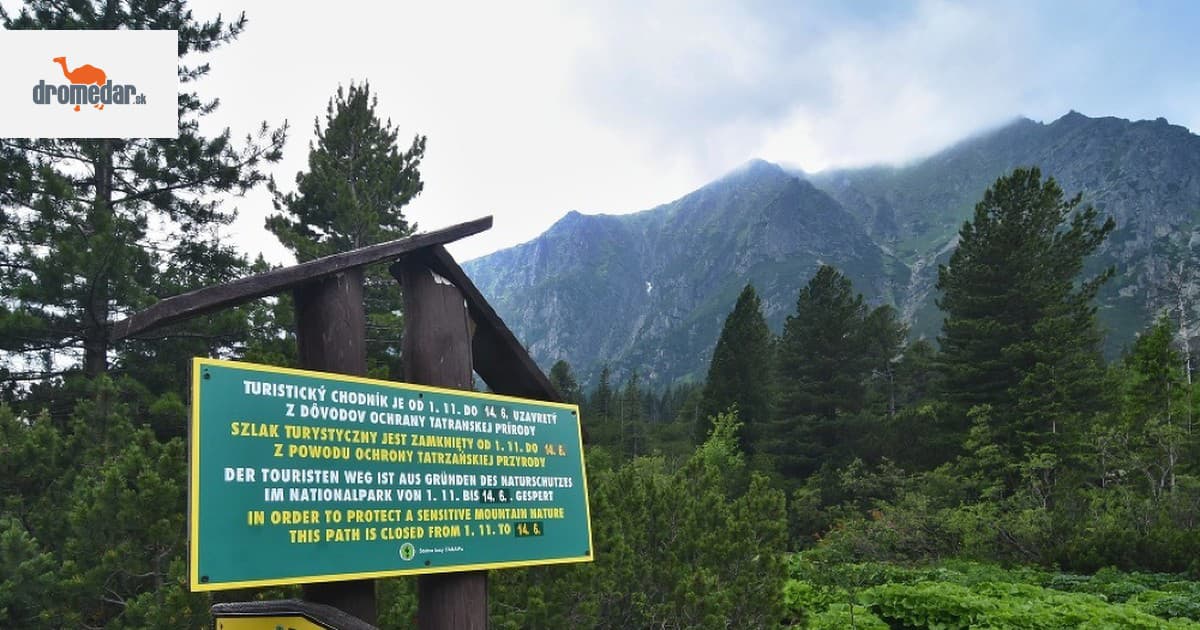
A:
758, 166
1071, 119
582, 291
568, 221
750, 173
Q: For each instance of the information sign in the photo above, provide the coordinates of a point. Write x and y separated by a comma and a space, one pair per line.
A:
300, 476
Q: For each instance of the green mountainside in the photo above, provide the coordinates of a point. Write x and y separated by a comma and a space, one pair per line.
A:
1144, 174
650, 290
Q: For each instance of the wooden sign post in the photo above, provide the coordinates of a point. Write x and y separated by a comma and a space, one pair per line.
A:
450, 333
437, 351
331, 336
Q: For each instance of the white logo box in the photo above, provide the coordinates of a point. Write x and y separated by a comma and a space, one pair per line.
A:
138, 98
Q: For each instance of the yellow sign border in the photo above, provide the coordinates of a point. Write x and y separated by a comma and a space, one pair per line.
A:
273, 622
194, 583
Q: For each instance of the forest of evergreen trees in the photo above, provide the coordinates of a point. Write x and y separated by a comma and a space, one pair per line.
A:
1011, 439
1008, 439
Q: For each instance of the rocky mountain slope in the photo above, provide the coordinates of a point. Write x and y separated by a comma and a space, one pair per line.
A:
650, 290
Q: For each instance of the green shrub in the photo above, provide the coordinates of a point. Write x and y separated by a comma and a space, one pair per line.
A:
845, 616
801, 599
699, 546
1177, 605
969, 594
927, 605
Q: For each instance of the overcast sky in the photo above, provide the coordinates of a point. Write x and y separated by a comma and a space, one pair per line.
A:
533, 109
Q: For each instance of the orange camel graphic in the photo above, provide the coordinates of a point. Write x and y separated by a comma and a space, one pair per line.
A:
86, 74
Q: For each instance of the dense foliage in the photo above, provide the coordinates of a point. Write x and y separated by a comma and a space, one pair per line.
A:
1020, 334
353, 195
691, 543
94, 229
740, 375
821, 594
833, 476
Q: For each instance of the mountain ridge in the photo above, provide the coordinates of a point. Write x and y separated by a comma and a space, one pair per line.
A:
649, 290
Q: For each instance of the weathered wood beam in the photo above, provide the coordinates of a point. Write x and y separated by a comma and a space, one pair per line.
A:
325, 616
437, 351
187, 305
331, 336
499, 357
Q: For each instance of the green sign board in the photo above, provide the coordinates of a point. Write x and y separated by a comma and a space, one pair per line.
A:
301, 476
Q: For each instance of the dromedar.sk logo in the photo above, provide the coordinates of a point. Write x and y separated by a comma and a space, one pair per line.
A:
89, 86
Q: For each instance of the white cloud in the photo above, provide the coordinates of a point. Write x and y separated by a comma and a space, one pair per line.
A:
536, 108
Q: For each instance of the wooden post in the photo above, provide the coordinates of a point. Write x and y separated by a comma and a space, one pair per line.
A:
437, 351
331, 337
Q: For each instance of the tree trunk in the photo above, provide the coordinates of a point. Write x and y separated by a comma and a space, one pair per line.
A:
1187, 349
95, 319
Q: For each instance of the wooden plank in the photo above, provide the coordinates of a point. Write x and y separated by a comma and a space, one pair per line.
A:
187, 305
437, 351
331, 324
331, 336
500, 358
452, 601
326, 616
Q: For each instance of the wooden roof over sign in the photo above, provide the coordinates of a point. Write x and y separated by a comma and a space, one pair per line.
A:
188, 305
498, 357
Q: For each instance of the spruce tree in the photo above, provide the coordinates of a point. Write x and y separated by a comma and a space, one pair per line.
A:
602, 414
602, 399
1154, 380
631, 421
357, 184
884, 336
822, 368
1020, 332
353, 195
740, 372
563, 380
1158, 441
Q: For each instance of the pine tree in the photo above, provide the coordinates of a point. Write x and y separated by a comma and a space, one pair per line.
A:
29, 589
884, 336
1020, 333
1155, 382
1154, 409
917, 375
1176, 264
631, 420
602, 399
917, 437
563, 380
822, 368
107, 500
353, 195
357, 184
740, 372
94, 229
697, 542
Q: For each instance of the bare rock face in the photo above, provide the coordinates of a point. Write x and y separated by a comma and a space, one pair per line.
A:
650, 290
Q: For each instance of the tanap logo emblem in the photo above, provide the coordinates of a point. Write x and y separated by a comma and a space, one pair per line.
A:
89, 85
